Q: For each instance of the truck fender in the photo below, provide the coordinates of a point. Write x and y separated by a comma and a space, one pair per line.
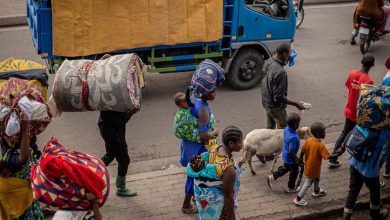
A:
239, 46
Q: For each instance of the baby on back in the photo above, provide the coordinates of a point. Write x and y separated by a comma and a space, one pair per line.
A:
185, 125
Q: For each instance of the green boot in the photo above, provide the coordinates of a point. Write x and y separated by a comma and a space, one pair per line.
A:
347, 216
121, 189
384, 213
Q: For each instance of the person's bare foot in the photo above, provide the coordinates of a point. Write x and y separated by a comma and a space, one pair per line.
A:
190, 210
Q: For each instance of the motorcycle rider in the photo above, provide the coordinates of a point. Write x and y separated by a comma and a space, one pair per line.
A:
368, 8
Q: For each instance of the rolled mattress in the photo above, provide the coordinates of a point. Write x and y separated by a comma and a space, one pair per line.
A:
112, 84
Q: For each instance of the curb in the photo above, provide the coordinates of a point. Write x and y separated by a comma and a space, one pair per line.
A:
13, 20
21, 19
336, 210
360, 204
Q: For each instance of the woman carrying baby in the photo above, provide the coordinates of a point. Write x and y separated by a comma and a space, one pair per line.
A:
217, 176
207, 77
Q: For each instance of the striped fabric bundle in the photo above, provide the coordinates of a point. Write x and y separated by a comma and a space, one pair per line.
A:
62, 179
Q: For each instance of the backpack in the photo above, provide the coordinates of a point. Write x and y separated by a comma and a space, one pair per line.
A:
361, 142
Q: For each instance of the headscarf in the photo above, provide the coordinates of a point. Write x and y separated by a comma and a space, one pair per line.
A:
207, 76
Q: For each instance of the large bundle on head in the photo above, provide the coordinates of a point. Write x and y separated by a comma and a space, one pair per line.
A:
207, 76
112, 84
21, 99
65, 179
373, 109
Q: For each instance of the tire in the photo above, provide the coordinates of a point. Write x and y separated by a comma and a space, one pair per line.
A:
364, 42
300, 15
50, 65
245, 71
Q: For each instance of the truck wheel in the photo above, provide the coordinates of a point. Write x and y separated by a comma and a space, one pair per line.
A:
246, 69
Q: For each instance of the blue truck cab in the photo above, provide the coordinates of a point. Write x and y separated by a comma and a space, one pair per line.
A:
252, 29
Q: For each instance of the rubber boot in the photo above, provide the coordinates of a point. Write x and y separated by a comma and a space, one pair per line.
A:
121, 189
384, 213
347, 216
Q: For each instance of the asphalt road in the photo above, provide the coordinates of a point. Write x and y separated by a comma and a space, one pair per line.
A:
324, 60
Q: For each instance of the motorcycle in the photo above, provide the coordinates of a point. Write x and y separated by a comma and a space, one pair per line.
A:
299, 12
368, 33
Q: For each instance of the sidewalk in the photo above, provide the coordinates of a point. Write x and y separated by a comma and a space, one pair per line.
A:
13, 12
160, 195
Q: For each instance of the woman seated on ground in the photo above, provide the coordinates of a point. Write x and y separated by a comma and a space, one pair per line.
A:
217, 180
16, 199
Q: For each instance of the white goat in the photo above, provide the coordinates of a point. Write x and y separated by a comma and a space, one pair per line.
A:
263, 142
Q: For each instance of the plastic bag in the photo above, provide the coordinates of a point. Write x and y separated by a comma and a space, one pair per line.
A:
39, 110
32, 109
69, 215
13, 125
4, 111
26, 107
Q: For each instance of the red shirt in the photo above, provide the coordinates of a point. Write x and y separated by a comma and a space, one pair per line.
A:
355, 79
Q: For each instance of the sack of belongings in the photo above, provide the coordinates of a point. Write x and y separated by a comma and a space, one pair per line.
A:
21, 99
62, 179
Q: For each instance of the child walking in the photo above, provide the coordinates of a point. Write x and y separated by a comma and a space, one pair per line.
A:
314, 151
289, 155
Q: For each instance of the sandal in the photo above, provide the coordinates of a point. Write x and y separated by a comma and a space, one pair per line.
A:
191, 210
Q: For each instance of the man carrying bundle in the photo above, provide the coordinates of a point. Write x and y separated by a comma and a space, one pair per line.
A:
112, 127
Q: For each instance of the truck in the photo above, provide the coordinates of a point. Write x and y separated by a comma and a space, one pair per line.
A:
250, 32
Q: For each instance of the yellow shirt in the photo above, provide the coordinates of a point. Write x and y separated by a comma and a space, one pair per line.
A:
314, 152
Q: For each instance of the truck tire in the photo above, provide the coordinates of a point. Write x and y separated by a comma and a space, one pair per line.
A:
245, 72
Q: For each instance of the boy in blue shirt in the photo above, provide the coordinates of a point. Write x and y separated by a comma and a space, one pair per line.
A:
289, 155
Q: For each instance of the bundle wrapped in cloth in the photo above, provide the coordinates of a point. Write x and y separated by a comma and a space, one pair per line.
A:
373, 109
65, 179
112, 84
21, 99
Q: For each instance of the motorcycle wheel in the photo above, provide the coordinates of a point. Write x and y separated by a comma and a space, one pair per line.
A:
299, 16
364, 42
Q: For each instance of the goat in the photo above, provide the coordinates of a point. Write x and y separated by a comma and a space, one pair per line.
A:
263, 142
